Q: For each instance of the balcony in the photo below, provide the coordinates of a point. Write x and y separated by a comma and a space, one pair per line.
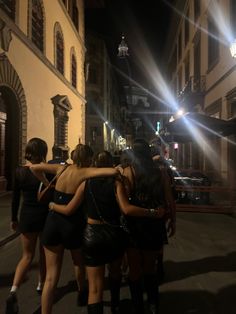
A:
193, 92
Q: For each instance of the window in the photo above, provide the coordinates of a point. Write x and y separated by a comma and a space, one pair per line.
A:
213, 43
197, 9
93, 79
180, 80
59, 52
73, 71
233, 17
73, 11
187, 69
61, 108
180, 46
37, 24
75, 15
9, 7
186, 29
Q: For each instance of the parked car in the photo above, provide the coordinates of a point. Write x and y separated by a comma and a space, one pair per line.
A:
194, 178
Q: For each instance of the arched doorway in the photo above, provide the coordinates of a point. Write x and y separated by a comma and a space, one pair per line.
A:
12, 122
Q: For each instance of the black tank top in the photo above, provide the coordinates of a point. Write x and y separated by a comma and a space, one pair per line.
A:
99, 195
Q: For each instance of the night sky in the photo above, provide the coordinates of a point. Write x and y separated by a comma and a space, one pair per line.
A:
144, 24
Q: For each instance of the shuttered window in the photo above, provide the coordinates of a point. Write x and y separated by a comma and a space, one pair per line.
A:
9, 7
37, 24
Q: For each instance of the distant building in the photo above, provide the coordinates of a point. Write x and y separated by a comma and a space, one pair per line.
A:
42, 84
203, 77
102, 94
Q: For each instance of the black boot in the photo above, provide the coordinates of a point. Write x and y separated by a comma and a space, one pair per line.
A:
12, 304
136, 291
152, 289
95, 308
115, 294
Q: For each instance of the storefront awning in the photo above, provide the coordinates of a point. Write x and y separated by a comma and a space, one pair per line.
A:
188, 126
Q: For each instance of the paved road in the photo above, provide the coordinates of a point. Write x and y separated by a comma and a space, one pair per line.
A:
200, 265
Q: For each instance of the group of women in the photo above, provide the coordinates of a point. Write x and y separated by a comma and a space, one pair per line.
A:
99, 213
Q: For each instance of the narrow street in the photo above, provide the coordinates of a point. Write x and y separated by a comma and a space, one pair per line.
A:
200, 272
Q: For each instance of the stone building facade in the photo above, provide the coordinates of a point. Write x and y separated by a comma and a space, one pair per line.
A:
42, 83
203, 76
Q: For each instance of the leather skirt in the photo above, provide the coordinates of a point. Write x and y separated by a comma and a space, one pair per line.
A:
103, 243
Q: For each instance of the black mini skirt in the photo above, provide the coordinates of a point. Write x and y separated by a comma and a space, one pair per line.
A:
103, 243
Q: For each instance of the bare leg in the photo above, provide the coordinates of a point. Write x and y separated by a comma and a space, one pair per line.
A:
114, 283
80, 272
151, 280
96, 283
54, 257
42, 268
29, 241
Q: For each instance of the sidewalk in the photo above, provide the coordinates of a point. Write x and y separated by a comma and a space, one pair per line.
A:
6, 234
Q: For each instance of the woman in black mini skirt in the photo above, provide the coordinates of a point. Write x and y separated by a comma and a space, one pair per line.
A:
104, 238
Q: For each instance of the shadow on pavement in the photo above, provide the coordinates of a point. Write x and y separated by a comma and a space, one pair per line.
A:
199, 302
180, 270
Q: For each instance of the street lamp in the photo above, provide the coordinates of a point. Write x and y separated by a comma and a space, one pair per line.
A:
233, 49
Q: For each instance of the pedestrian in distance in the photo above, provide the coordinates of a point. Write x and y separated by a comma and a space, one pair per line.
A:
31, 220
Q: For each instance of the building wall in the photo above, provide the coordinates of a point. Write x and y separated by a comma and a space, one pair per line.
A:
220, 77
102, 97
38, 75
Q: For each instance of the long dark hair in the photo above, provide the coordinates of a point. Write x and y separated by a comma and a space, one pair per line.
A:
148, 186
36, 150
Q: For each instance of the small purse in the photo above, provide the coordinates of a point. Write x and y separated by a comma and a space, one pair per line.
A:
45, 194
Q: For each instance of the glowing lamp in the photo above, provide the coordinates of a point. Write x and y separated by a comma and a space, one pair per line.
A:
233, 49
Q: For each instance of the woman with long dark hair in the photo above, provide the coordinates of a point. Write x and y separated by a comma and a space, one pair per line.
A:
31, 219
104, 239
146, 235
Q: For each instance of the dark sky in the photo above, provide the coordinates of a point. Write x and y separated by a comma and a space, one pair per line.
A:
144, 24
149, 19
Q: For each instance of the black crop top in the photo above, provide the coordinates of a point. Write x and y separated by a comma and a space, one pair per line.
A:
103, 190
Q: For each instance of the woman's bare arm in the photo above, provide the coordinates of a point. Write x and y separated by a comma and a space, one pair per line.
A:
132, 210
39, 171
73, 205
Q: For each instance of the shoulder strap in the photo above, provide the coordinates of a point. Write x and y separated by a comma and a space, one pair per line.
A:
58, 175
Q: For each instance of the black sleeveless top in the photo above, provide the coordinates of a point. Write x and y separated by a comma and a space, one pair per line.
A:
27, 184
100, 199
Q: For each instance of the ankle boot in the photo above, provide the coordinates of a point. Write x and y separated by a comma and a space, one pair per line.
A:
95, 308
115, 294
136, 291
152, 289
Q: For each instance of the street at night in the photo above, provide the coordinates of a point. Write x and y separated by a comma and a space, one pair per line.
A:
129, 108
200, 270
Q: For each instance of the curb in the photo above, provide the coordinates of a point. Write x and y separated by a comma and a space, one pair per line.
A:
9, 238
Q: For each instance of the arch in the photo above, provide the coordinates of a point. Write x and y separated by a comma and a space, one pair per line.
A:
13, 96
59, 48
73, 67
